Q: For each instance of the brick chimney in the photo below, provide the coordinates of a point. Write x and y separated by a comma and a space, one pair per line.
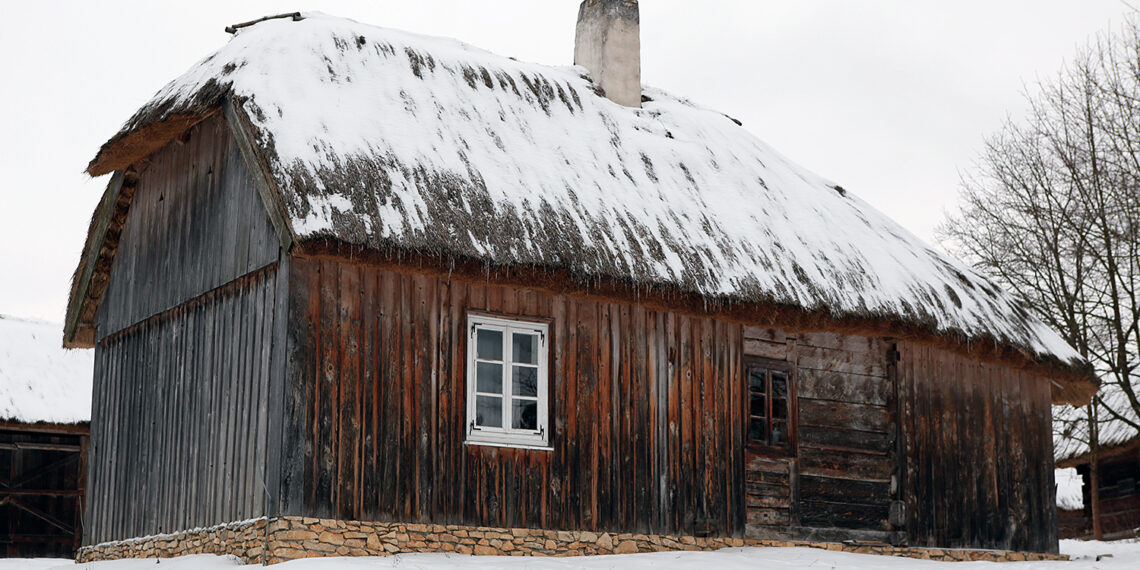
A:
607, 42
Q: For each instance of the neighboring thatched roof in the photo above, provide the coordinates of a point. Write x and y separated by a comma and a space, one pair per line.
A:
392, 141
1071, 428
39, 381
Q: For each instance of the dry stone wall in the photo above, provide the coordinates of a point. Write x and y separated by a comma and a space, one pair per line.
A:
245, 539
269, 541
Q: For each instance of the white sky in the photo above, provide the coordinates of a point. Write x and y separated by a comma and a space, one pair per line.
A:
889, 98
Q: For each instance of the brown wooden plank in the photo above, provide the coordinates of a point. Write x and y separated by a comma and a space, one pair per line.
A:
845, 515
831, 414
765, 349
837, 360
767, 516
842, 387
843, 439
823, 463
766, 334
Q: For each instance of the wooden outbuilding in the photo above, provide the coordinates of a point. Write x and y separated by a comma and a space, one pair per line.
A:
45, 405
345, 273
1117, 472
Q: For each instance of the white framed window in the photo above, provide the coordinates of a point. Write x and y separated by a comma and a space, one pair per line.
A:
507, 382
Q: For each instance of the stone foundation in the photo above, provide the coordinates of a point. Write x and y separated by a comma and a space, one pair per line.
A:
245, 539
263, 541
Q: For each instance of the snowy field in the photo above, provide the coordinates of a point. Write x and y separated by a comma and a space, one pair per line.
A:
1113, 555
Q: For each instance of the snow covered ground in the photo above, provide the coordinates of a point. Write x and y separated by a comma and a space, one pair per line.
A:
1114, 555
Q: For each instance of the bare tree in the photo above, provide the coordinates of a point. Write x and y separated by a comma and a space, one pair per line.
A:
1053, 214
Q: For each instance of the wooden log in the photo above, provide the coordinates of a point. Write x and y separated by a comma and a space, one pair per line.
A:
765, 348
838, 465
842, 415
838, 360
842, 387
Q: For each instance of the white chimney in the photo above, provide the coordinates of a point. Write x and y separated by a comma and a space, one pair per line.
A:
607, 42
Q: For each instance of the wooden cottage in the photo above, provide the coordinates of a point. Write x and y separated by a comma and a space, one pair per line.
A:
45, 405
353, 290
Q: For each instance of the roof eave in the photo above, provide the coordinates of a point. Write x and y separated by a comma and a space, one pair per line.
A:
78, 326
1106, 452
1070, 382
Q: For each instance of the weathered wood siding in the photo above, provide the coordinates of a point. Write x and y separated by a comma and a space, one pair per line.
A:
1119, 496
180, 415
978, 453
195, 223
836, 484
180, 423
645, 410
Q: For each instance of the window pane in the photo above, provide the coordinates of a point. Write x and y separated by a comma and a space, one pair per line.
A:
758, 408
779, 432
525, 381
488, 411
779, 408
756, 380
780, 384
756, 430
490, 344
525, 414
489, 378
525, 348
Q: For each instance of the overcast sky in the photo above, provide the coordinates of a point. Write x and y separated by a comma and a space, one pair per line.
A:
891, 99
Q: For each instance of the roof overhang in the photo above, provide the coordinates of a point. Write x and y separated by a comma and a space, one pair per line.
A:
126, 156
1069, 384
1109, 452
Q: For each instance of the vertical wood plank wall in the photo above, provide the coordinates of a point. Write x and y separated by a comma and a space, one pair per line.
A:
180, 416
645, 414
979, 453
837, 484
184, 337
195, 223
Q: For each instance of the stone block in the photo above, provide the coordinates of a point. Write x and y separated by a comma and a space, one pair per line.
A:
296, 535
626, 547
331, 538
605, 541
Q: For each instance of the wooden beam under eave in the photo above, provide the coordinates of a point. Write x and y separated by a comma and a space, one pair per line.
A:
73, 337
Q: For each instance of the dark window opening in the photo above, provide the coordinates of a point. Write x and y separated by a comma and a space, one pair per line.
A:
770, 421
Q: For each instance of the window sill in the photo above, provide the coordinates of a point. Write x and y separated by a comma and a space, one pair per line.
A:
529, 446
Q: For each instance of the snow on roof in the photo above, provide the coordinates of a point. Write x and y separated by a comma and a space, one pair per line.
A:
391, 140
1071, 426
1069, 494
39, 380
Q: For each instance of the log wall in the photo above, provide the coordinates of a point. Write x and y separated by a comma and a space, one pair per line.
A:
1119, 499
978, 453
836, 484
645, 410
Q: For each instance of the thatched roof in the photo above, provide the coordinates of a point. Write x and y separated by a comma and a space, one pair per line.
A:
392, 141
1116, 436
39, 381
